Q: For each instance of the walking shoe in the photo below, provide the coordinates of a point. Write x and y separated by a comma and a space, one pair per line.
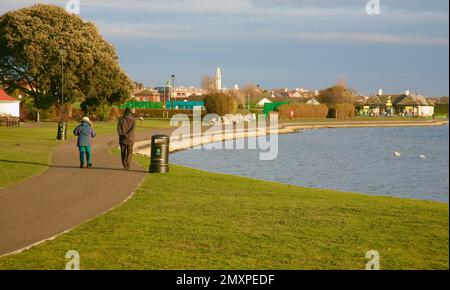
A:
89, 165
81, 166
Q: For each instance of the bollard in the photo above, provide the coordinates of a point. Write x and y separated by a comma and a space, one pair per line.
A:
159, 162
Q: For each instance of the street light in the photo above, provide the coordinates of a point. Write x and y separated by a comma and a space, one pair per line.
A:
62, 127
173, 85
172, 94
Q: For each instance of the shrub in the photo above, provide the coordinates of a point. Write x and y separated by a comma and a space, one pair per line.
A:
302, 111
102, 112
51, 114
114, 114
344, 111
338, 94
77, 114
441, 110
220, 104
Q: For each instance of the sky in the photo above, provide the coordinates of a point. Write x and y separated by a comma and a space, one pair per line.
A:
277, 43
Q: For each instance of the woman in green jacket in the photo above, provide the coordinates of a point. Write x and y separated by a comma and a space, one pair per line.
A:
85, 133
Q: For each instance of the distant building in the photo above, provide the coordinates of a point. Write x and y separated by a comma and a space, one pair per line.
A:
302, 90
147, 95
263, 102
9, 105
294, 94
313, 101
404, 104
180, 92
299, 93
137, 87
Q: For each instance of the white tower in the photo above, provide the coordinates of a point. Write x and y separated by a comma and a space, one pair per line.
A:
218, 79
380, 92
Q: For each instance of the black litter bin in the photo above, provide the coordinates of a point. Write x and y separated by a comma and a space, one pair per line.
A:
160, 154
62, 131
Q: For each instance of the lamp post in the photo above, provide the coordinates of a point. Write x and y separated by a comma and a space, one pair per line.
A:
173, 88
164, 96
62, 128
173, 85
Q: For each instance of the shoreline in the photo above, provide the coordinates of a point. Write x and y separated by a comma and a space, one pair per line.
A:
143, 147
194, 140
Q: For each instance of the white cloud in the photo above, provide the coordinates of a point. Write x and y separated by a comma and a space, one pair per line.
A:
270, 8
375, 38
310, 21
162, 31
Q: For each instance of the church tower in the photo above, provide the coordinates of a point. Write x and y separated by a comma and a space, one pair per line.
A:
218, 79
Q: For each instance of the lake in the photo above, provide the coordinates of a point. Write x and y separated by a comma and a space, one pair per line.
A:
357, 160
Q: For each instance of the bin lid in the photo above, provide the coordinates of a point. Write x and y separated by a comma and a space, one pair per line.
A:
160, 139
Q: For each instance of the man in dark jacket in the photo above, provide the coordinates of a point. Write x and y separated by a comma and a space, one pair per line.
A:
125, 129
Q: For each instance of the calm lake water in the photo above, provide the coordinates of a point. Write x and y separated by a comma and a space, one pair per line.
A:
357, 160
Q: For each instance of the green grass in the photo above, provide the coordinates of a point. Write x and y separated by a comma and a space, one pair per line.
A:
25, 152
190, 219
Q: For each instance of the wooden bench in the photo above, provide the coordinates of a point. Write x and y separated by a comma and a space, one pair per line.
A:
9, 121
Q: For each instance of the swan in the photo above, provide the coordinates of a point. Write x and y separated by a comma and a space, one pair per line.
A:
422, 156
397, 154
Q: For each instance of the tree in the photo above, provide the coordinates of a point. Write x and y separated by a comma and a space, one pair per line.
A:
220, 104
208, 83
443, 100
30, 58
237, 96
251, 91
338, 94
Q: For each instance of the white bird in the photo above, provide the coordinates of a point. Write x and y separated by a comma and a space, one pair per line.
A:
422, 156
397, 154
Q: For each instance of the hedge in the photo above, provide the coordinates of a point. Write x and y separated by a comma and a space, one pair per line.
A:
344, 111
302, 111
441, 110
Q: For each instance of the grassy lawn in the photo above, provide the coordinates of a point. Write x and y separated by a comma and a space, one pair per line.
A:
25, 151
190, 219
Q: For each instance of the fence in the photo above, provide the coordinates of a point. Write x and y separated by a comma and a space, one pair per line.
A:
185, 105
142, 105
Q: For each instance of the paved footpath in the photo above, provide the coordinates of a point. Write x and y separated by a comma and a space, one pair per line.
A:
65, 195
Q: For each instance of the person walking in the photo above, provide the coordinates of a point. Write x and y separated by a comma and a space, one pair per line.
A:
85, 133
126, 130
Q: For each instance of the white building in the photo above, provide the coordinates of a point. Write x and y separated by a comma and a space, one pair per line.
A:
218, 79
263, 102
9, 105
313, 101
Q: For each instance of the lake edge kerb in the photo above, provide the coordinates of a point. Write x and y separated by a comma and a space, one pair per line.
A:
143, 147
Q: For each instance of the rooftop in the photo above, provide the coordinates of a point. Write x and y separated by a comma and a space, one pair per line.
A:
5, 97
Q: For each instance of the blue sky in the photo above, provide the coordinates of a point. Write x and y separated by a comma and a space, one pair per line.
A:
277, 43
